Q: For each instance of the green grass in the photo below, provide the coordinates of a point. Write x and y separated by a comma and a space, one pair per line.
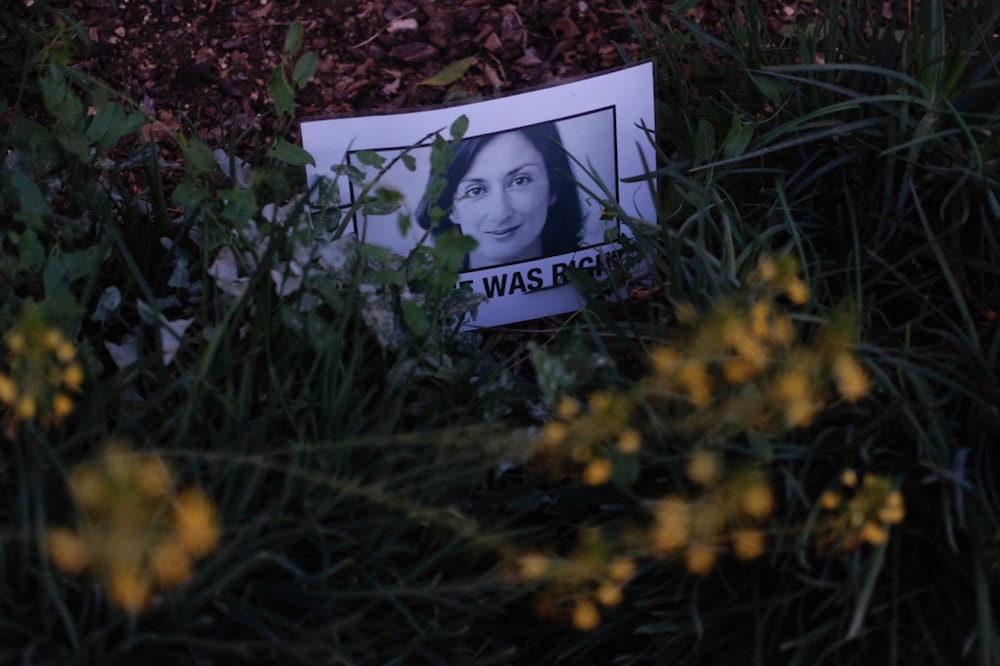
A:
378, 480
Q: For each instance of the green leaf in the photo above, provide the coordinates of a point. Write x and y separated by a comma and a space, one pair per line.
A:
199, 157
704, 142
30, 250
304, 68
281, 93
189, 194
449, 74
459, 127
293, 38
409, 161
64, 269
370, 158
287, 152
415, 317
738, 138
34, 207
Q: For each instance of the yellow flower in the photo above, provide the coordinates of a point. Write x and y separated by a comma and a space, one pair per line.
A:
586, 617
760, 316
598, 472
609, 594
874, 533
768, 269
72, 376
130, 589
8, 390
554, 433
694, 378
153, 477
893, 511
798, 292
629, 441
620, 569
699, 559
748, 543
16, 342
758, 500
738, 371
171, 564
567, 408
534, 566
849, 478
830, 500
25, 408
195, 523
703, 467
89, 489
664, 360
68, 550
62, 406
852, 380
672, 524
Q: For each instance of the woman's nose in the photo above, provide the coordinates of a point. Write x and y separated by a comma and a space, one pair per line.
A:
499, 207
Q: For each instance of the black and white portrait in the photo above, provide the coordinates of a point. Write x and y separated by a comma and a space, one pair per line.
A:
525, 181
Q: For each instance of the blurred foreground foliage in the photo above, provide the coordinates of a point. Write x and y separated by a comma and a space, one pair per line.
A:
234, 434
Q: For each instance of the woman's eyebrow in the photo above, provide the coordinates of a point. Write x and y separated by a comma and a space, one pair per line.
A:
506, 175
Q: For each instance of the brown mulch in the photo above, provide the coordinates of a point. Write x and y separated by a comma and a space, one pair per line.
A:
205, 64
208, 62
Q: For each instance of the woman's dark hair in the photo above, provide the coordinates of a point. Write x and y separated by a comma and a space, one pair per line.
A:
564, 224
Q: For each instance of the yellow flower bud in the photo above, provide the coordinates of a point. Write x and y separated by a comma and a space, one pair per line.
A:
171, 564
694, 378
598, 472
620, 569
8, 390
68, 550
25, 407
62, 406
72, 376
554, 433
852, 380
16, 342
798, 292
874, 533
699, 559
153, 476
130, 589
586, 617
65, 351
830, 500
749, 544
609, 595
703, 467
629, 442
90, 489
849, 478
567, 408
672, 525
195, 523
534, 566
758, 500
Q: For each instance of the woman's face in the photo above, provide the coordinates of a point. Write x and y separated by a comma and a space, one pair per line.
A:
503, 201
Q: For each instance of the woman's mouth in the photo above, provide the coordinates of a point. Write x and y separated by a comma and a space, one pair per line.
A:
501, 234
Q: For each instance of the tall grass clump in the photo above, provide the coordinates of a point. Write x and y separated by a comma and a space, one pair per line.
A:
866, 147
234, 434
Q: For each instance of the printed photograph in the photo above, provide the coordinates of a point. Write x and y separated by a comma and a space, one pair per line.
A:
526, 182
521, 194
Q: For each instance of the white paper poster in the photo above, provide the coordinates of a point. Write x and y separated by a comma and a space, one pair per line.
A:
517, 183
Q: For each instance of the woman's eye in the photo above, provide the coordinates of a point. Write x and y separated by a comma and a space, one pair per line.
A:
475, 191
520, 181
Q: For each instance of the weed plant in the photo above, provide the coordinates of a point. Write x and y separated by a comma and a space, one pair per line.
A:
233, 434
